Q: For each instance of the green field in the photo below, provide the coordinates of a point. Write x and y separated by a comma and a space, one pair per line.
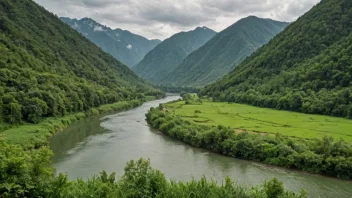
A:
254, 119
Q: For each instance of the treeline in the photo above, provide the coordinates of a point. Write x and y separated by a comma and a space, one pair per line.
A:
306, 68
29, 174
174, 89
320, 156
48, 69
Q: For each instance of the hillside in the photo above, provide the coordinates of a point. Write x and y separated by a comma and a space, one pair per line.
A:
47, 69
306, 68
125, 46
224, 52
164, 58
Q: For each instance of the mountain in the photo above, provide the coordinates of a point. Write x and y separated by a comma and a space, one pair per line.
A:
125, 46
224, 52
305, 68
47, 69
164, 58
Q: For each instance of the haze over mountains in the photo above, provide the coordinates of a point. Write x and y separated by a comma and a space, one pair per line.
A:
164, 58
224, 52
194, 59
306, 68
125, 46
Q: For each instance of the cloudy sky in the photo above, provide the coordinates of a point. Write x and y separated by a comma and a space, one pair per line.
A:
163, 18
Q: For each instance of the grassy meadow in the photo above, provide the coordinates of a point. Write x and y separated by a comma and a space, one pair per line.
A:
262, 120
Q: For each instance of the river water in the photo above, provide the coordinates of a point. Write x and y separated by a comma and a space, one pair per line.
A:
107, 142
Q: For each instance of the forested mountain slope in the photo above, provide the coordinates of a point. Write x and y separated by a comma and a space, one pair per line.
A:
224, 52
125, 46
164, 58
306, 68
48, 69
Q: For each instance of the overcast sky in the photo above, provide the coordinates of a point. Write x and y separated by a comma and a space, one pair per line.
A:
163, 18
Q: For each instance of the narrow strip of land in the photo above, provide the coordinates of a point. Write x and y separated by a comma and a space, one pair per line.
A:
263, 120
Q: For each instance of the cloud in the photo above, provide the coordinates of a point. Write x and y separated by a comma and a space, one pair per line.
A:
163, 18
98, 29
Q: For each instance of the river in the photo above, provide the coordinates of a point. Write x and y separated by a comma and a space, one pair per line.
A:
107, 142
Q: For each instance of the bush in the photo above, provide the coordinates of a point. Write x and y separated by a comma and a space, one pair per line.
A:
274, 188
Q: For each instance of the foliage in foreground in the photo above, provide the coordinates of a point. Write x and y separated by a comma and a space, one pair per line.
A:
28, 174
321, 156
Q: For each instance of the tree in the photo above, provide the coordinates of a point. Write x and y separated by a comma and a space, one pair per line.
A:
12, 112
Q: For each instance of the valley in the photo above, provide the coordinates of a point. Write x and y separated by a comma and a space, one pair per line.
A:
166, 56
106, 141
260, 107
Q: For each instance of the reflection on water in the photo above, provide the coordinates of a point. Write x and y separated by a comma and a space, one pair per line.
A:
108, 142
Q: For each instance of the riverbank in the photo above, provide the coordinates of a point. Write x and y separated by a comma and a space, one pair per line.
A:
34, 175
31, 136
318, 156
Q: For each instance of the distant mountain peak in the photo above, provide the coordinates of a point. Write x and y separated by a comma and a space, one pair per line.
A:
252, 17
87, 20
203, 28
125, 46
170, 53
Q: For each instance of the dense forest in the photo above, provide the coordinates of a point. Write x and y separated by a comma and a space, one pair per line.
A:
48, 69
320, 156
224, 52
306, 68
125, 46
166, 56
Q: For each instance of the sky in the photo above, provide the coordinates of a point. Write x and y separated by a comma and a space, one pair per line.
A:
160, 19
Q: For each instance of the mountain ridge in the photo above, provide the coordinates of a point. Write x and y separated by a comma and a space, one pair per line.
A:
224, 51
169, 53
125, 46
47, 69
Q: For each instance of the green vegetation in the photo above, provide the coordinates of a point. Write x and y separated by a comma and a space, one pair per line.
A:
164, 58
224, 52
172, 89
48, 69
242, 117
116, 42
31, 136
306, 68
28, 174
321, 156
